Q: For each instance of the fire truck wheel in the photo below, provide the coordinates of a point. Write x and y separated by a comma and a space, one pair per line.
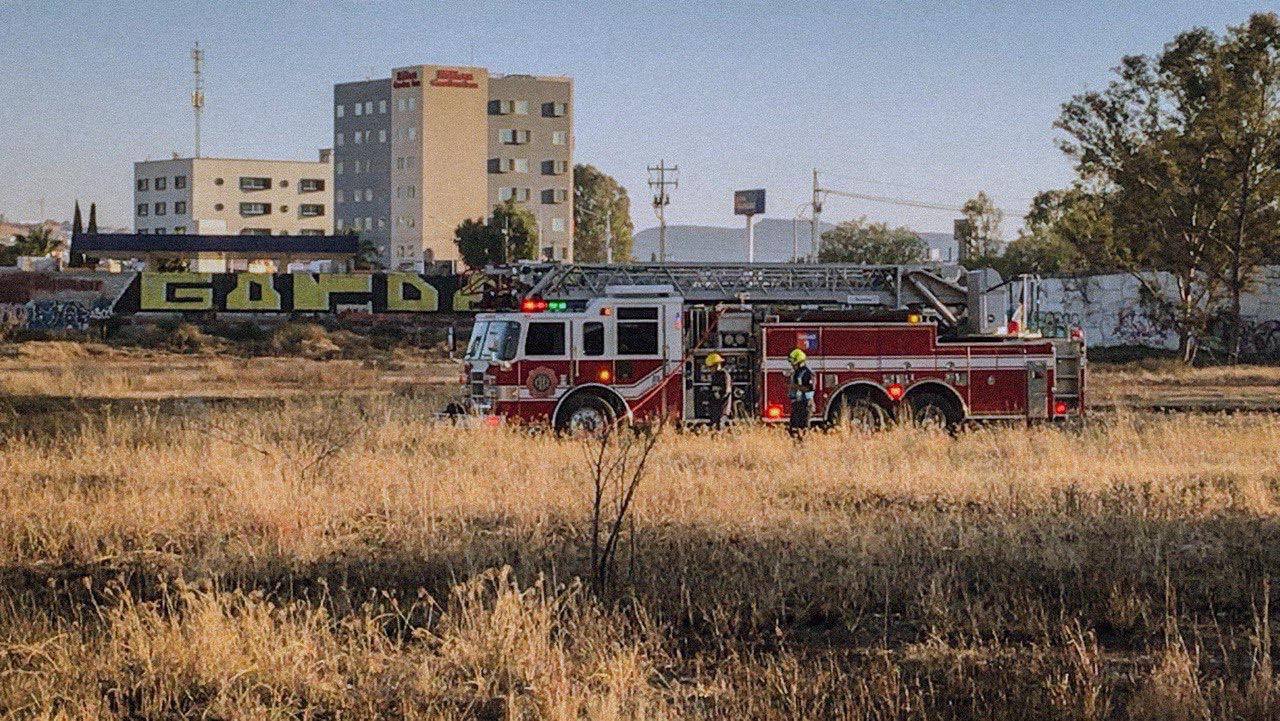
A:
585, 413
861, 414
929, 409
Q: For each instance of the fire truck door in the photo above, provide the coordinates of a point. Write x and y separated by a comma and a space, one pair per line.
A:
1037, 389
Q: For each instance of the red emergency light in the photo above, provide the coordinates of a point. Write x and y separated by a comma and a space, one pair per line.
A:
895, 391
1060, 408
533, 305
773, 412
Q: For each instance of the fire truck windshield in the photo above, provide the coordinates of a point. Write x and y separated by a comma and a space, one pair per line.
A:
494, 340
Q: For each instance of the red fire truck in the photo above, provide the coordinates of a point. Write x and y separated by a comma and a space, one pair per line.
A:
590, 345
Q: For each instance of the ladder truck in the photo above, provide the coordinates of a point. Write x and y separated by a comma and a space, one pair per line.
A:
590, 345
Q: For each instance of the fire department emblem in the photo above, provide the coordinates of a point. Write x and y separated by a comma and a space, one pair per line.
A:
542, 381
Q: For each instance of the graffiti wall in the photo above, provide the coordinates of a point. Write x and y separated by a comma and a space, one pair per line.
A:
1109, 310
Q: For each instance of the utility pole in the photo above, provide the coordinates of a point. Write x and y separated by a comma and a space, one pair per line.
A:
197, 95
608, 234
660, 177
813, 220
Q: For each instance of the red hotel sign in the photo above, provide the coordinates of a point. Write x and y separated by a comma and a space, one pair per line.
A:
449, 78
406, 79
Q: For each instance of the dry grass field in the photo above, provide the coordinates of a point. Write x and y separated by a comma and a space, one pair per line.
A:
354, 558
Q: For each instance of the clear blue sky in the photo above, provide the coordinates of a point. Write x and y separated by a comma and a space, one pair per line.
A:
931, 100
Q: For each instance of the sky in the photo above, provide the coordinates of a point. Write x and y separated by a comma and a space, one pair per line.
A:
930, 101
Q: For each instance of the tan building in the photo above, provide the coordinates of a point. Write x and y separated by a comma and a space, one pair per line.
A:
431, 146
231, 196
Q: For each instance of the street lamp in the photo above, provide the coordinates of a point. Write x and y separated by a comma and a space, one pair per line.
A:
608, 230
795, 238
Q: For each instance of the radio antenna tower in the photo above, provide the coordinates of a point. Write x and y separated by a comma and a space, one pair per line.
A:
660, 177
197, 95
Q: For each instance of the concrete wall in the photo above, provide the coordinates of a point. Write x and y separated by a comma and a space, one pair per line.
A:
1108, 308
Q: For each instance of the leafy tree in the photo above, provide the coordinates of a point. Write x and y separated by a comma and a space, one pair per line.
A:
1248, 119
511, 234
597, 196
981, 236
39, 242
368, 255
1060, 226
1183, 148
858, 241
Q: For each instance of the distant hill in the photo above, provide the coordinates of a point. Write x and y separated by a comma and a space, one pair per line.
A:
711, 244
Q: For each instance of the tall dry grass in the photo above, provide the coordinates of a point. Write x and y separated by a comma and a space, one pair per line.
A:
358, 559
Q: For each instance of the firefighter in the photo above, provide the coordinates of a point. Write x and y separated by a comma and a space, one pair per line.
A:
801, 392
721, 391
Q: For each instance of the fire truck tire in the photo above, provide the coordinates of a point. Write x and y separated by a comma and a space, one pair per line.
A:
862, 414
930, 409
585, 413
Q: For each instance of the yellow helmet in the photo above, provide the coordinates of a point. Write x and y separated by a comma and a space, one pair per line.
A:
713, 359
797, 357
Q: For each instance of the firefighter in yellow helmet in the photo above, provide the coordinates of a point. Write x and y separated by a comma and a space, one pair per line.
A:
721, 390
800, 392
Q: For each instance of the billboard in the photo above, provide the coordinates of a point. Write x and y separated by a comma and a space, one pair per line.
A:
748, 202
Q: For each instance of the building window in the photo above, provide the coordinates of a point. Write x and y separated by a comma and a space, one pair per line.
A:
337, 168
511, 136
359, 137
337, 139
368, 107
218, 206
382, 107
340, 111
250, 184
359, 109
255, 231
413, 103
284, 183
559, 137
555, 110
143, 210
180, 207
554, 195
217, 181
284, 209
412, 132
249, 209
144, 183
555, 167
557, 225
311, 185
382, 136
162, 183
180, 230
522, 107
517, 194
311, 210
179, 182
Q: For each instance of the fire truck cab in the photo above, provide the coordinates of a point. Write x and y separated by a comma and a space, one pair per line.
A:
579, 360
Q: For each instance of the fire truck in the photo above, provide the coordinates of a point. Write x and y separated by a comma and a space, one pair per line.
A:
591, 345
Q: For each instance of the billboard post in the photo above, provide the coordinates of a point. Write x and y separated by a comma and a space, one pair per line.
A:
749, 203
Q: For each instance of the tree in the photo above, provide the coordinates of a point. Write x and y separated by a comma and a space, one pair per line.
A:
368, 256
1147, 144
980, 237
857, 241
39, 242
1249, 121
77, 222
597, 196
511, 234
1060, 226
93, 219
